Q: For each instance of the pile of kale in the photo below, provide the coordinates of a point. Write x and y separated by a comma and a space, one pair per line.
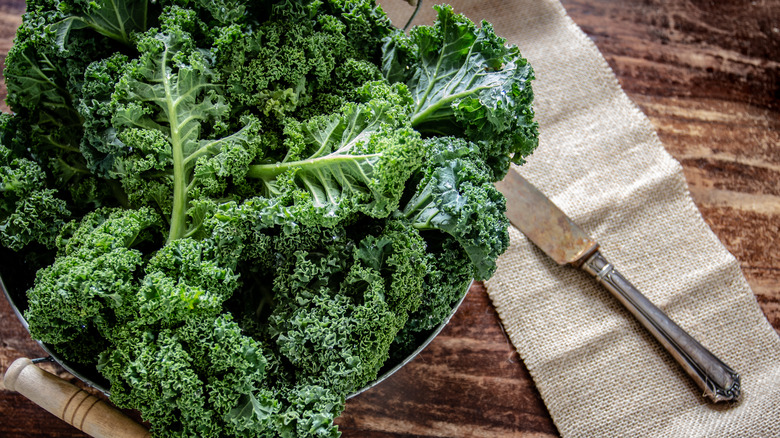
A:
238, 210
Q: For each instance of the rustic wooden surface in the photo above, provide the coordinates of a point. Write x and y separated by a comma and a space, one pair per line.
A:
707, 74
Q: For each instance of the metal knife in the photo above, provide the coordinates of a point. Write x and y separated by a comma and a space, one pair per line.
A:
561, 239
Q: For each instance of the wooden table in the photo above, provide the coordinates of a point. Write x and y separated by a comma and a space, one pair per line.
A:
707, 74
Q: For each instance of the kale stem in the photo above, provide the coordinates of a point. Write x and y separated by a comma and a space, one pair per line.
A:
423, 116
419, 204
269, 171
179, 212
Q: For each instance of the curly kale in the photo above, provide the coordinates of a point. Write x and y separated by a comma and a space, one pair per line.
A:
30, 212
456, 195
92, 283
466, 82
192, 379
357, 160
246, 211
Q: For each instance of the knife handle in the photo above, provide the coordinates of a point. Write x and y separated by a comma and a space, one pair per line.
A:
718, 381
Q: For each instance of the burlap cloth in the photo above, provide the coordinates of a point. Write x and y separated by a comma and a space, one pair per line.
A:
599, 159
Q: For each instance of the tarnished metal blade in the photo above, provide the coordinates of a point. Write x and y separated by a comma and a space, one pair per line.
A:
543, 222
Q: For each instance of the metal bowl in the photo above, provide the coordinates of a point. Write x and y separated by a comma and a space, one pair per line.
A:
17, 297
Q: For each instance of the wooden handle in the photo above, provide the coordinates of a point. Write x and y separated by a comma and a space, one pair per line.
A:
70, 403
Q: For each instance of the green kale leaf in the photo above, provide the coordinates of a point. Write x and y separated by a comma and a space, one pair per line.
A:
466, 82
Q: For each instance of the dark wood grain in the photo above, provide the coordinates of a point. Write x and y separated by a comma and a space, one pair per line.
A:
707, 74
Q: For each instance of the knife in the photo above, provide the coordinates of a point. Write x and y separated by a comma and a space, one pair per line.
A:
566, 243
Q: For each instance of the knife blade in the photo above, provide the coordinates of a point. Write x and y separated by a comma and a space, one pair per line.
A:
529, 210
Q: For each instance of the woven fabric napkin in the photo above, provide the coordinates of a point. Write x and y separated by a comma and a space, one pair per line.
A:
599, 159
